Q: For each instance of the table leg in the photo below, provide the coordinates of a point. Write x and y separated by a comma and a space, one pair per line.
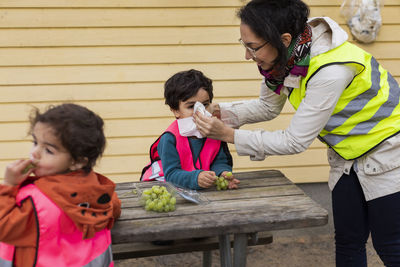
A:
207, 258
239, 250
225, 251
253, 238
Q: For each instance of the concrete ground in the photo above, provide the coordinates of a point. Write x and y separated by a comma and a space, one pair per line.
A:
306, 247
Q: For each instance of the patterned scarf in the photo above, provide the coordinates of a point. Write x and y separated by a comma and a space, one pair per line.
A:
297, 64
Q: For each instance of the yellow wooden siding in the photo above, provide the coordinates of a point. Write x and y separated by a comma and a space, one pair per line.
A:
113, 57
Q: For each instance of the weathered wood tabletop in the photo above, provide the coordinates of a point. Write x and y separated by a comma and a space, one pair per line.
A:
265, 201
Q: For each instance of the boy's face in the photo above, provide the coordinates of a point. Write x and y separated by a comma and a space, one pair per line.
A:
48, 154
186, 107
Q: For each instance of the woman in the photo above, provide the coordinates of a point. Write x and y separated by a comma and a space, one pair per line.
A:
342, 96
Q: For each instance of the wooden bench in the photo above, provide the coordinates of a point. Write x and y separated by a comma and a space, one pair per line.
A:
147, 249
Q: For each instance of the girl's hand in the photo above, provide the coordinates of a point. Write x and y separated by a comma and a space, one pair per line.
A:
14, 174
233, 182
213, 128
206, 179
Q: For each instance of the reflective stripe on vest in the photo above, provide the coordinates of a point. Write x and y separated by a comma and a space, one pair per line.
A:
5, 263
103, 260
210, 149
60, 241
358, 103
367, 112
6, 254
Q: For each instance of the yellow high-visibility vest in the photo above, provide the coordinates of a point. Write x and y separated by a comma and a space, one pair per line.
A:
367, 112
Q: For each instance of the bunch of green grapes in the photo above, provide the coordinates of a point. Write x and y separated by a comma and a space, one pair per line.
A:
158, 199
222, 183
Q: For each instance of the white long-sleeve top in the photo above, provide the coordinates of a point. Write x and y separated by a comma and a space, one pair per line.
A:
377, 178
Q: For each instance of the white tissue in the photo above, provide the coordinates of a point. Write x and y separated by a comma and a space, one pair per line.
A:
200, 107
187, 127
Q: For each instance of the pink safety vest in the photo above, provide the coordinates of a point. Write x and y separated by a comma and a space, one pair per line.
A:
60, 241
154, 171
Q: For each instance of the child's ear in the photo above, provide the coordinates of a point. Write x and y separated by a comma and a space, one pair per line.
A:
78, 164
177, 114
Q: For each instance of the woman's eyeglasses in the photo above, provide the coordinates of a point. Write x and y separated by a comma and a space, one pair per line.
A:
252, 50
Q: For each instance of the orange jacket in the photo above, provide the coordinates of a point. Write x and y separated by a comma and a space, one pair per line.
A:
70, 192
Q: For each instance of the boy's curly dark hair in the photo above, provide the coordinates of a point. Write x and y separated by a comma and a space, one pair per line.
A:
80, 130
185, 84
269, 19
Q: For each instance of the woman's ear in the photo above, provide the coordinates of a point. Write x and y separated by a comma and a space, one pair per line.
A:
79, 164
286, 39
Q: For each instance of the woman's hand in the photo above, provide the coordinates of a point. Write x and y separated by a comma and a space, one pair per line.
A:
15, 174
215, 110
206, 179
213, 128
233, 182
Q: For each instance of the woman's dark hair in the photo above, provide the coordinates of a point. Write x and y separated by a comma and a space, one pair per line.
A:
269, 19
79, 129
184, 85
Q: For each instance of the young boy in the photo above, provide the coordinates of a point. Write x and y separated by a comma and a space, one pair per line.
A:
188, 162
62, 215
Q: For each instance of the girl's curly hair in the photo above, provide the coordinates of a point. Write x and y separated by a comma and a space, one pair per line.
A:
80, 130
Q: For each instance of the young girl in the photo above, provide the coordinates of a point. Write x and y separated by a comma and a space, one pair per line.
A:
62, 214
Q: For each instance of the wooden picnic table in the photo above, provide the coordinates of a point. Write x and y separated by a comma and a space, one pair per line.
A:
265, 201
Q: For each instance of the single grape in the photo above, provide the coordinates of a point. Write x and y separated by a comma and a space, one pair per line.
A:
146, 197
160, 205
147, 192
151, 205
156, 190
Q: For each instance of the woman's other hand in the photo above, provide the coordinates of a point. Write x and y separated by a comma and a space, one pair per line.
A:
214, 128
215, 110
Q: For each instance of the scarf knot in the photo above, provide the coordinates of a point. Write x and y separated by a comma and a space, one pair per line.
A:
297, 63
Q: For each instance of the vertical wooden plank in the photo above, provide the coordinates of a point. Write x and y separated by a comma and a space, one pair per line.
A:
225, 251
207, 258
240, 250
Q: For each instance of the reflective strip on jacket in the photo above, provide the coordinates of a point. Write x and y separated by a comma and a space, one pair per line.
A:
367, 112
210, 149
60, 242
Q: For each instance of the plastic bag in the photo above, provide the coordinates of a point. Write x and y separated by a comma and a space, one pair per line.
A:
190, 195
363, 17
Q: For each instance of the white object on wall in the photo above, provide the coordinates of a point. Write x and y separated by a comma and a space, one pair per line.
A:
363, 17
